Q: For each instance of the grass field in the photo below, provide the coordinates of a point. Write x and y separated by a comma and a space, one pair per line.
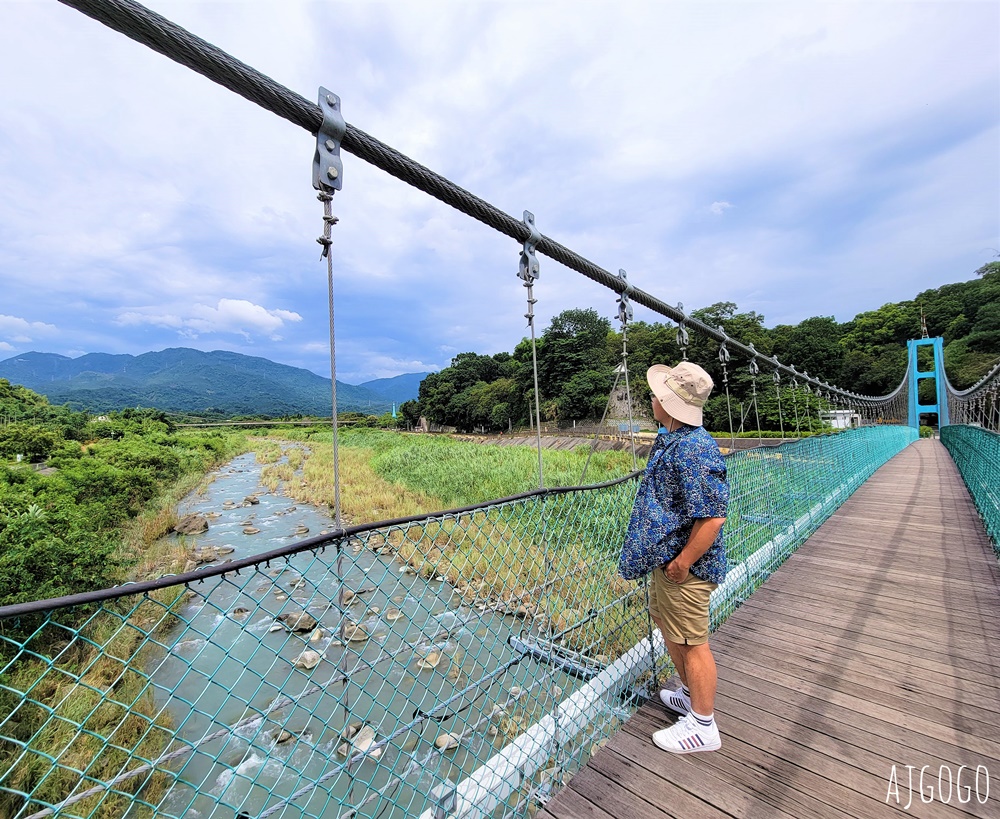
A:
386, 475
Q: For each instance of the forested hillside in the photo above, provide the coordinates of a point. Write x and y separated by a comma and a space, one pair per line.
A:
214, 384
579, 351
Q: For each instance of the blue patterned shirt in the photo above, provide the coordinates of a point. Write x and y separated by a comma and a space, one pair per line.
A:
685, 480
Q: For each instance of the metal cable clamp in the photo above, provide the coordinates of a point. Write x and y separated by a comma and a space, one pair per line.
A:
328, 167
624, 303
682, 334
527, 268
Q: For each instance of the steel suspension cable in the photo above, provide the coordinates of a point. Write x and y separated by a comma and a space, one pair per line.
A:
624, 316
527, 272
795, 404
600, 425
724, 358
777, 391
754, 370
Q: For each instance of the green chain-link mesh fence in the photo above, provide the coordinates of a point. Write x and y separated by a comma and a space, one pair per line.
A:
976, 453
464, 664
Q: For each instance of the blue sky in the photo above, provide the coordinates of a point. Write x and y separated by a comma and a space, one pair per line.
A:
798, 159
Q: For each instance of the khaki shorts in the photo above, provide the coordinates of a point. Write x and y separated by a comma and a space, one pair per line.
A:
681, 607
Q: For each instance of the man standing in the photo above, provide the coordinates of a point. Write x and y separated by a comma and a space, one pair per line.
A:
685, 475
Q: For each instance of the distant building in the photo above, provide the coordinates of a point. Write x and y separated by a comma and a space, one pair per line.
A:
840, 419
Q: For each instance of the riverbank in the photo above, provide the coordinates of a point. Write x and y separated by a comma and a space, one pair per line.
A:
94, 655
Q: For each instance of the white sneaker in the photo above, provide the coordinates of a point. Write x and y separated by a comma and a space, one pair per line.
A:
676, 701
688, 736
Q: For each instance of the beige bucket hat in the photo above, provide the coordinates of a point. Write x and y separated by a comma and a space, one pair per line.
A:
682, 390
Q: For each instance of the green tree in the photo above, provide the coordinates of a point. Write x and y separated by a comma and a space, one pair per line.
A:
812, 345
585, 395
409, 411
29, 440
574, 343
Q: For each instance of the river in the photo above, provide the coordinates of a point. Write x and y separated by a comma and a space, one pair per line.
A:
231, 661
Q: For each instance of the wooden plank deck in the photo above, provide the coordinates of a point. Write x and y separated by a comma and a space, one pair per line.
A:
876, 645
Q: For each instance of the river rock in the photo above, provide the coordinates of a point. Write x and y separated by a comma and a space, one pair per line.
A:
430, 660
447, 742
565, 619
316, 636
240, 611
302, 529
354, 633
191, 525
392, 615
298, 621
207, 555
361, 742
251, 500
251, 530
352, 729
307, 659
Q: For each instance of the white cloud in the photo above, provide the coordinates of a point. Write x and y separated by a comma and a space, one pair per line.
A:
826, 121
5, 346
237, 316
23, 331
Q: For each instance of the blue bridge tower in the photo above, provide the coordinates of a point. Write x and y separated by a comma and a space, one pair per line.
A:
940, 405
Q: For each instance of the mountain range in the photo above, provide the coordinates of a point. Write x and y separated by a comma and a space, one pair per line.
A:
183, 380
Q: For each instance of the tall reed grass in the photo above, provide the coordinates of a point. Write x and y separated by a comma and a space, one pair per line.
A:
549, 559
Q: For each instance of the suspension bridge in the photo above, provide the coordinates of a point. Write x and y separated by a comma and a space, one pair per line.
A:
488, 661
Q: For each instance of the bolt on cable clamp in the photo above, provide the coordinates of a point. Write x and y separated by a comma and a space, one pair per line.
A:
328, 168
